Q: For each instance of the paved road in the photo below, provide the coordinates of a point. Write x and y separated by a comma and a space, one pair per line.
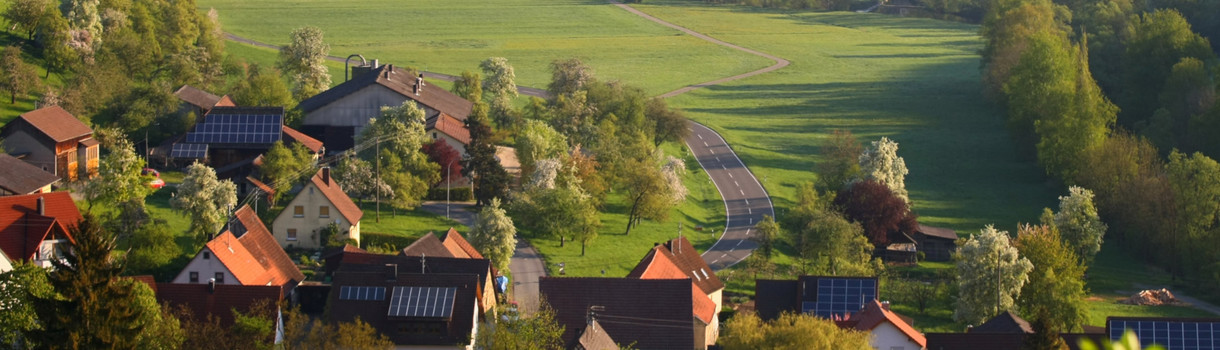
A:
745, 200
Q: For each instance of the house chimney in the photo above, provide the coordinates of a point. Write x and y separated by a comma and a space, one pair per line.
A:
420, 79
376, 63
423, 263
42, 206
326, 175
211, 286
885, 305
391, 271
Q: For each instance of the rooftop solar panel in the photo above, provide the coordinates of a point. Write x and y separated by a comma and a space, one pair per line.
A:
189, 150
1172, 334
422, 302
839, 296
361, 293
238, 128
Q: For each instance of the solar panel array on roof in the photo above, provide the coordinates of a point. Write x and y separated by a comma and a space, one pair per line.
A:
361, 293
1173, 335
238, 128
422, 302
840, 296
189, 150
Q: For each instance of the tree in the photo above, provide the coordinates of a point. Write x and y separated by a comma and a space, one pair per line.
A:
263, 87
1056, 284
1045, 335
884, 216
205, 199
1158, 40
826, 242
568, 76
119, 176
445, 156
21, 285
1195, 184
85, 21
654, 189
515, 332
16, 77
553, 203
537, 141
882, 164
765, 232
985, 260
356, 177
404, 166
494, 235
304, 60
151, 246
672, 125
469, 86
95, 308
789, 331
501, 84
485, 172
840, 160
284, 167
1079, 224
302, 332
26, 14
54, 36
1006, 28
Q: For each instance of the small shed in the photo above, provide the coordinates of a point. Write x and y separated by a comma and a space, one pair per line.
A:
937, 243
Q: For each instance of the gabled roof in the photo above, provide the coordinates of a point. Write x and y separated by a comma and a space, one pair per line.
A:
657, 265
938, 232
450, 126
311, 143
874, 314
665, 304
202, 300
1005, 322
459, 247
357, 261
19, 177
774, 297
334, 193
459, 329
55, 123
252, 255
198, 98
593, 337
975, 341
427, 246
399, 81
22, 229
688, 260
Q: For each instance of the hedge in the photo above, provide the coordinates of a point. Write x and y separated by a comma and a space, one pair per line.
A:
374, 239
456, 194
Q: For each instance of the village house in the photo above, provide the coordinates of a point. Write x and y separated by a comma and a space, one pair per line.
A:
53, 140
830, 297
36, 227
1005, 331
216, 299
231, 139
649, 313
18, 177
6, 265
200, 102
338, 115
320, 203
887, 330
244, 253
937, 243
676, 259
456, 247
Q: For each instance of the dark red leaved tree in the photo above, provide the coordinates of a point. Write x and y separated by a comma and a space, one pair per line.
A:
884, 216
440, 152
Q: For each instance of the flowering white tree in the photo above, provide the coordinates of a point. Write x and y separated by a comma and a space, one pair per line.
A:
502, 84
1079, 225
990, 274
205, 199
494, 235
881, 163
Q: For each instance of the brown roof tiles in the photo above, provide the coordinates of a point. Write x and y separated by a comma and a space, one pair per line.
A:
22, 228
333, 192
427, 246
56, 123
198, 98
19, 177
399, 81
652, 313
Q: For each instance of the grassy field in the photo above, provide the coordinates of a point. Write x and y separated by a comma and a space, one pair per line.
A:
450, 36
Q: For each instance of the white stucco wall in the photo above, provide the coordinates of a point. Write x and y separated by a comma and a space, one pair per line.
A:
887, 337
310, 225
207, 269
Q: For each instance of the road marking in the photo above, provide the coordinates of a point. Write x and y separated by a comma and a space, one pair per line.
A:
700, 136
747, 201
738, 244
735, 183
722, 167
723, 255
751, 221
730, 175
747, 232
705, 144
750, 211
742, 192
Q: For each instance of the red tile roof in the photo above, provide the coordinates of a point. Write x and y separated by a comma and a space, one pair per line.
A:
198, 98
19, 177
665, 304
450, 126
688, 260
234, 256
657, 265
252, 255
56, 123
459, 247
427, 246
333, 192
311, 143
22, 229
226, 297
874, 314
399, 81
261, 186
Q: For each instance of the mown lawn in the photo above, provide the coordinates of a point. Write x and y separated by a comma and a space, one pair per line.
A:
450, 36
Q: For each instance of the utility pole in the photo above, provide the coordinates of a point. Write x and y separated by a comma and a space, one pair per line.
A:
448, 185
377, 189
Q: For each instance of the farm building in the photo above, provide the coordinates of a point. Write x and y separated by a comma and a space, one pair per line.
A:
53, 140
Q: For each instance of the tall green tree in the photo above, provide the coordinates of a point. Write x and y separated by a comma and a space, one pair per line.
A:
26, 15
24, 283
990, 275
494, 235
765, 233
485, 172
790, 331
654, 189
1082, 124
1195, 182
16, 77
1006, 28
205, 199
840, 160
284, 167
54, 37
826, 242
539, 331
553, 203
1056, 283
1079, 224
404, 166
469, 86
536, 141
304, 59
672, 125
151, 246
1159, 40
263, 87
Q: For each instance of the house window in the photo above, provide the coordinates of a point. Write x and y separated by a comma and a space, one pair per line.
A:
220, 277
434, 136
324, 211
298, 211
194, 277
207, 255
292, 234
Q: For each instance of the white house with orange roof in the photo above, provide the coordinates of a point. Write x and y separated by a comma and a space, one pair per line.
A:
244, 253
318, 204
664, 263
